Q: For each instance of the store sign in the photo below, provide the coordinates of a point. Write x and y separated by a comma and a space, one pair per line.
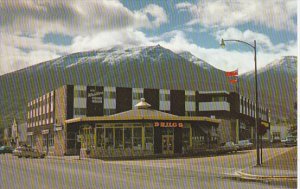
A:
94, 101
44, 132
95, 95
168, 124
58, 128
29, 133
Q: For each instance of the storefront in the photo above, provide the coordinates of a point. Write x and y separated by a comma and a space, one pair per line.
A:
141, 132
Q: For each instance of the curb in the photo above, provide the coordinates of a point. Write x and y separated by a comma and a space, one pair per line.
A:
250, 177
64, 158
263, 176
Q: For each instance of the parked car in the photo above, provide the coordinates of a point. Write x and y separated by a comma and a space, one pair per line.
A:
228, 147
291, 141
28, 152
6, 149
244, 145
34, 153
21, 151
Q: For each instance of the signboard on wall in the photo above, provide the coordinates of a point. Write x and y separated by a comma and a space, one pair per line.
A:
44, 132
94, 101
168, 124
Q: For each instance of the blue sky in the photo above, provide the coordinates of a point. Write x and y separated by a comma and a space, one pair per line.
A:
35, 31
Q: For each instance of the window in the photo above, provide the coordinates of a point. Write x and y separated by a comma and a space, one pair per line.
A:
198, 138
164, 97
137, 96
51, 139
137, 138
79, 111
128, 137
190, 98
79, 94
109, 111
100, 137
190, 113
45, 140
186, 137
109, 94
36, 140
149, 138
119, 137
109, 140
219, 98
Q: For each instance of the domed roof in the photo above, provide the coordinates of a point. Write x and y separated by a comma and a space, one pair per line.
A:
142, 104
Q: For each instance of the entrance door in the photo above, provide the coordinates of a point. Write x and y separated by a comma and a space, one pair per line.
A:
167, 144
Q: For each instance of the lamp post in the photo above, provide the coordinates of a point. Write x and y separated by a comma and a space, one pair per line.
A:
259, 159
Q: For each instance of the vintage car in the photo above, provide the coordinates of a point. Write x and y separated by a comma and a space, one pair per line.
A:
6, 149
228, 147
290, 141
28, 152
244, 145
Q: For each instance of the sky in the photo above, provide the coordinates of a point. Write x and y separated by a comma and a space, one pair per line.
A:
34, 31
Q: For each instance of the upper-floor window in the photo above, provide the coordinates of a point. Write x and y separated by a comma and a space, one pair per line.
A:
109, 94
80, 94
164, 97
219, 99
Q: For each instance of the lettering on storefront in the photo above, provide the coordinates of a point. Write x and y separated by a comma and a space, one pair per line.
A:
94, 101
168, 124
44, 132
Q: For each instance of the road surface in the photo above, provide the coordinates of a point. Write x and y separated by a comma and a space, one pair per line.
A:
197, 172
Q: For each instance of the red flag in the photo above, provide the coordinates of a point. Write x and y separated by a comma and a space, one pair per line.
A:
233, 81
232, 73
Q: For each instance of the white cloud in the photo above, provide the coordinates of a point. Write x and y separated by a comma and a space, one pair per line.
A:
225, 59
75, 16
92, 24
108, 39
276, 14
248, 36
156, 12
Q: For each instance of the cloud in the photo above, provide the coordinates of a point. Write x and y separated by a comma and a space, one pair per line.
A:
279, 14
109, 39
226, 59
248, 36
75, 16
89, 24
157, 14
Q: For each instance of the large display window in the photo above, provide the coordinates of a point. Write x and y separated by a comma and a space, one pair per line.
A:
125, 136
128, 137
198, 137
149, 138
137, 138
109, 138
119, 137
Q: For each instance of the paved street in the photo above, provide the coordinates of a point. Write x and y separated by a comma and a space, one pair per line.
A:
198, 172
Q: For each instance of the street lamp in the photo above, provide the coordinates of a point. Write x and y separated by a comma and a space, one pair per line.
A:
259, 159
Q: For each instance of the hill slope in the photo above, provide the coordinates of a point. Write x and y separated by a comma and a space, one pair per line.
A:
147, 67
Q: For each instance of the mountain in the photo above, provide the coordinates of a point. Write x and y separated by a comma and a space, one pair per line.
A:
277, 88
147, 67
276, 85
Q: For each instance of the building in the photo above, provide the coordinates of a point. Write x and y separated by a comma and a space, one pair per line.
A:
237, 114
59, 120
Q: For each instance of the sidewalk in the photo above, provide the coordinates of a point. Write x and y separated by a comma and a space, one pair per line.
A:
68, 158
282, 167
